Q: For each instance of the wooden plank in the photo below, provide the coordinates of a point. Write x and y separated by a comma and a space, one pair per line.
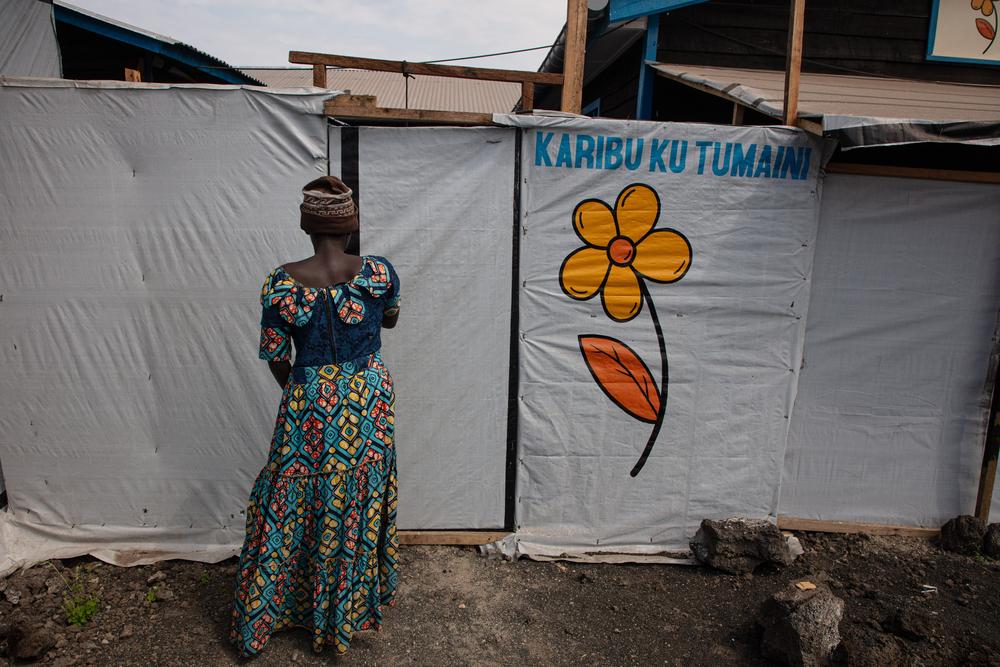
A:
399, 66
573, 55
319, 76
527, 96
331, 108
464, 537
913, 172
991, 446
793, 60
820, 526
737, 114
349, 100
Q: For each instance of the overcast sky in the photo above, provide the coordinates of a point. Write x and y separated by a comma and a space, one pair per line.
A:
262, 32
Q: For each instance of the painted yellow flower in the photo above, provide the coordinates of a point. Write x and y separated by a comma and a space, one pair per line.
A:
622, 245
985, 6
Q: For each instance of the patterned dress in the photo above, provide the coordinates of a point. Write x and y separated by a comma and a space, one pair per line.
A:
320, 548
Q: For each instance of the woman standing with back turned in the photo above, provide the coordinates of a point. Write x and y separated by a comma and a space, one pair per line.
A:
320, 549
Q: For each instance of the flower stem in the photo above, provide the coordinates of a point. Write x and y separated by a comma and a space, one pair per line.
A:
664, 379
996, 25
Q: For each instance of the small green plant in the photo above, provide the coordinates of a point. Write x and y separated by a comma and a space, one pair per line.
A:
203, 579
151, 595
79, 604
80, 609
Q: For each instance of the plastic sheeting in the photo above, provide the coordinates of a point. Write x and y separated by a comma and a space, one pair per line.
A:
733, 329
890, 418
438, 202
28, 45
136, 227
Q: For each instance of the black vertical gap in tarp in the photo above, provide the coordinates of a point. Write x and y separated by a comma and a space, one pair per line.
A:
349, 174
513, 402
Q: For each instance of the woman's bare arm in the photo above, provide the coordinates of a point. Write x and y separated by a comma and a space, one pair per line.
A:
280, 370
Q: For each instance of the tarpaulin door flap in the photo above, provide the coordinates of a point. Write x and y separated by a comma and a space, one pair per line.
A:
889, 421
438, 202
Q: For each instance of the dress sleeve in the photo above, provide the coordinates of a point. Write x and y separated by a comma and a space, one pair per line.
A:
392, 295
275, 331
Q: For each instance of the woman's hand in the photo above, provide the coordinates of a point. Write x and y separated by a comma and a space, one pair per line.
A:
280, 370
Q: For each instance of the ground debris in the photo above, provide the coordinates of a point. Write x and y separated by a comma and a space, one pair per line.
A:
801, 627
740, 545
963, 535
666, 615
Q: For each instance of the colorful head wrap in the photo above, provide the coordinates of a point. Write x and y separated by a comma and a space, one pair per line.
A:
328, 207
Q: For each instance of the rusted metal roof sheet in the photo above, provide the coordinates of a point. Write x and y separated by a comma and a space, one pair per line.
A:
436, 93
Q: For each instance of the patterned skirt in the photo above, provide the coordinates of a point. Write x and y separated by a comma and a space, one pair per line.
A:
320, 550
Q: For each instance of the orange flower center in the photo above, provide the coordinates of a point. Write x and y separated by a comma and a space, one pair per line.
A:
621, 251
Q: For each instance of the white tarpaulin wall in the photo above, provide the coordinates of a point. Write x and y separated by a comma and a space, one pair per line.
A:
439, 203
733, 329
888, 424
137, 224
28, 45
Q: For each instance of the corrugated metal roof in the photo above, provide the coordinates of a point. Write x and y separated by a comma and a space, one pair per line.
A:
841, 95
436, 93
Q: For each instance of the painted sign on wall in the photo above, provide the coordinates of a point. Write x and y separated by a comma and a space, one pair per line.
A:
964, 31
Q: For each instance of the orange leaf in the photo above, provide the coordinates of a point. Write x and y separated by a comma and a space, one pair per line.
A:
984, 28
622, 375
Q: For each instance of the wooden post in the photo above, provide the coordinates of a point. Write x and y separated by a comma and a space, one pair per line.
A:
573, 55
737, 114
793, 60
527, 96
319, 76
988, 472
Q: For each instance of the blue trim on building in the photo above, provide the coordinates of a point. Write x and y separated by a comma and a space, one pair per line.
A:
626, 10
180, 52
593, 109
647, 77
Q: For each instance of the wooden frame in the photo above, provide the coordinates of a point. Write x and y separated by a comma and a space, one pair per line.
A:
426, 69
793, 61
345, 109
991, 446
574, 55
820, 526
452, 537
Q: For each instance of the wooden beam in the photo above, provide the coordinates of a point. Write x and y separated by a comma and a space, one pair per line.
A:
737, 114
332, 108
465, 537
349, 100
820, 526
527, 96
425, 69
793, 60
913, 172
319, 76
573, 55
991, 446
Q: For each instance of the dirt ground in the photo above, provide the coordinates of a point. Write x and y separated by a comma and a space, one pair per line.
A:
458, 608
